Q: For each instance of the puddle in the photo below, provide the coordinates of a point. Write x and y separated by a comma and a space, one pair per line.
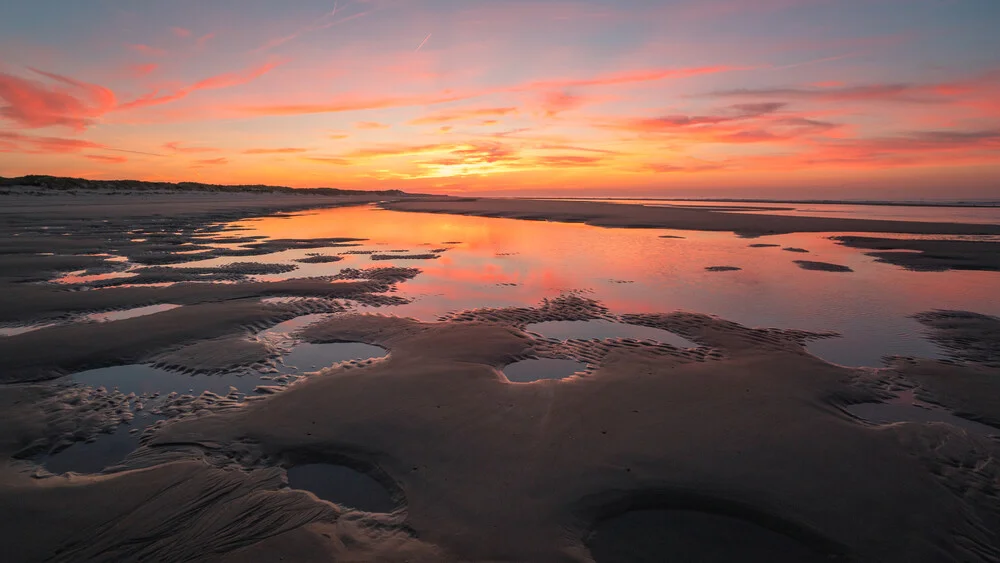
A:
140, 379
285, 329
341, 485
104, 451
905, 407
130, 313
527, 371
312, 357
653, 536
15, 330
80, 277
601, 329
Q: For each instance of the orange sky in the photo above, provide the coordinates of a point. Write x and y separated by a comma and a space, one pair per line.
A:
764, 98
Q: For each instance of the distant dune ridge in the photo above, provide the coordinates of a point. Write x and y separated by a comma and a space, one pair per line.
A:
69, 184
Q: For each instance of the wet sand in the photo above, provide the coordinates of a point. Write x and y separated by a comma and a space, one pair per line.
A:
743, 434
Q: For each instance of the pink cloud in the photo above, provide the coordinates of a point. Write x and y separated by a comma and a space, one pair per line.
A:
64, 102
147, 50
177, 146
357, 103
204, 39
212, 161
180, 31
225, 80
106, 158
370, 125
19, 142
142, 69
282, 150
461, 114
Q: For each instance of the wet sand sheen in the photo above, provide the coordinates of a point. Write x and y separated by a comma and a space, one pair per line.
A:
492, 470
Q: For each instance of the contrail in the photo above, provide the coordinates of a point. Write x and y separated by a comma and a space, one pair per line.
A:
424, 42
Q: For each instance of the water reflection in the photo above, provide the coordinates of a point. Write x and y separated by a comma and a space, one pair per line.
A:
504, 262
341, 485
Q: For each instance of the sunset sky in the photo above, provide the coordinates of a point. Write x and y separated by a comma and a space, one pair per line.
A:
748, 98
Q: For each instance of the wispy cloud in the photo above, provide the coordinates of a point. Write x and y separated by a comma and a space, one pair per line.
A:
212, 161
147, 50
178, 147
225, 80
61, 102
358, 103
281, 150
106, 158
462, 114
370, 125
325, 21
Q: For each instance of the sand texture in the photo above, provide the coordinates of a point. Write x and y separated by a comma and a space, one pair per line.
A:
738, 447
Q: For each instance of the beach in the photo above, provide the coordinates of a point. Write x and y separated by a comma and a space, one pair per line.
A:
701, 406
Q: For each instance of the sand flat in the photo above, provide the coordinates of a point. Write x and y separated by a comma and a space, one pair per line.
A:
743, 426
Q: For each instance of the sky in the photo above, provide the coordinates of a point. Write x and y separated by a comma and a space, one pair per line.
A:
853, 99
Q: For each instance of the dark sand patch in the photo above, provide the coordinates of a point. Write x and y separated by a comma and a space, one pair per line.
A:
822, 266
672, 236
320, 259
722, 268
794, 249
762, 245
653, 536
602, 329
405, 256
217, 354
930, 255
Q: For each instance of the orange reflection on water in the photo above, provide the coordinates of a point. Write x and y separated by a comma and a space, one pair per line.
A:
507, 262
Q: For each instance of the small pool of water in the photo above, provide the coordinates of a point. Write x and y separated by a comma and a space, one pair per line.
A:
905, 407
104, 451
341, 485
15, 330
601, 329
130, 313
527, 371
140, 379
312, 357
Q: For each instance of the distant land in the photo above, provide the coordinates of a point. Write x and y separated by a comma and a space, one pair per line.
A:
900, 203
71, 184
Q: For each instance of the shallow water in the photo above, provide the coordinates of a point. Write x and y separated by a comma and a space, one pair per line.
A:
140, 379
104, 451
526, 371
600, 329
311, 357
341, 485
130, 313
905, 407
986, 214
505, 262
21, 329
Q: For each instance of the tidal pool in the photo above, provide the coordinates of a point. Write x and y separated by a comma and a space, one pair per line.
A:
341, 485
492, 262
